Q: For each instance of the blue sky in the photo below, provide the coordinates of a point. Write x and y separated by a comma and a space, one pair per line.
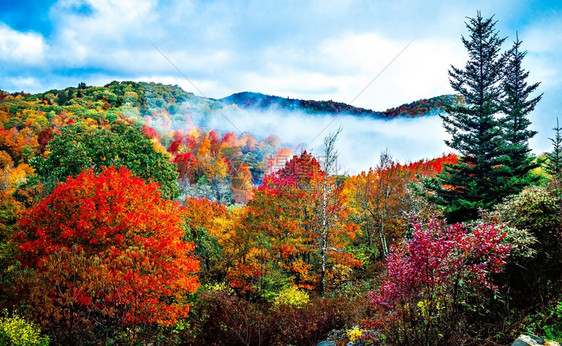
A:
318, 49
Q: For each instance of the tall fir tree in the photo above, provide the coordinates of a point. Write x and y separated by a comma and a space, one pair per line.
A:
516, 105
554, 166
479, 179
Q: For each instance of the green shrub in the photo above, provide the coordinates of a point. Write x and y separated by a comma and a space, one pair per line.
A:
536, 209
547, 324
17, 331
293, 297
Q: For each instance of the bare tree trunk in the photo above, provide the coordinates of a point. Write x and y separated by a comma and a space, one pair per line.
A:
324, 234
385, 191
330, 156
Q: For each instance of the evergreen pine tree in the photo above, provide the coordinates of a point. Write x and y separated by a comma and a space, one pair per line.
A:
554, 166
62, 98
516, 106
478, 180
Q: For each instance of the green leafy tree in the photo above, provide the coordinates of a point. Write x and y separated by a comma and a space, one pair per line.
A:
517, 106
479, 179
62, 98
82, 146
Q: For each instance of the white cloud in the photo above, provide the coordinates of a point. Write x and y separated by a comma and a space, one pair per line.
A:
131, 37
420, 71
340, 68
543, 40
98, 39
543, 35
24, 83
20, 48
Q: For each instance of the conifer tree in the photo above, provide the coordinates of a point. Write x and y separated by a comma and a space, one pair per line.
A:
554, 166
516, 105
479, 178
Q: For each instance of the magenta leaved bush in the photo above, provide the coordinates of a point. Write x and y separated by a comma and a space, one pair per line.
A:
433, 278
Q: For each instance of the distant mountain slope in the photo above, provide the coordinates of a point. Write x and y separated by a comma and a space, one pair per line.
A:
258, 101
140, 99
254, 100
424, 106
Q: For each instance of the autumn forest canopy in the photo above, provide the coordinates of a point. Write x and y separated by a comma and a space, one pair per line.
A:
125, 218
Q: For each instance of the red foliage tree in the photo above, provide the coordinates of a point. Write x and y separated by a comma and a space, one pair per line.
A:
186, 163
107, 250
428, 168
150, 132
44, 137
434, 279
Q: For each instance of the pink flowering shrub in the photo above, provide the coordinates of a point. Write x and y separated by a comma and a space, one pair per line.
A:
435, 279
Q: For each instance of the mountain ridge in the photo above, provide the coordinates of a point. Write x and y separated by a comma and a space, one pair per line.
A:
158, 95
256, 100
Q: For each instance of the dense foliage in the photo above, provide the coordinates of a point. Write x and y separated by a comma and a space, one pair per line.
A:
16, 331
423, 107
84, 145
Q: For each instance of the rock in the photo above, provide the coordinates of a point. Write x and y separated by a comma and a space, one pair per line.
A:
531, 340
528, 340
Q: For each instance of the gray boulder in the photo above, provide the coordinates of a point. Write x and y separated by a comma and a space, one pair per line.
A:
532, 340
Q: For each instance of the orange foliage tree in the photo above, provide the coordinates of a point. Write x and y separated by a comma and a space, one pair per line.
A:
209, 225
378, 197
219, 168
281, 226
107, 250
17, 147
383, 200
242, 184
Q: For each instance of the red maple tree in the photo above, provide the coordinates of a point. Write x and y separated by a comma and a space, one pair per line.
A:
107, 249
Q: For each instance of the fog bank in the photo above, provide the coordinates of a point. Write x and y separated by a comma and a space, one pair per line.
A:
359, 144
